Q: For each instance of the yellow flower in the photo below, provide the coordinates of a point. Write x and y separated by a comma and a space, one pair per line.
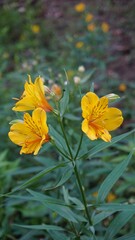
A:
31, 133
122, 87
91, 27
79, 44
99, 119
105, 27
35, 28
95, 194
80, 7
111, 196
89, 17
33, 96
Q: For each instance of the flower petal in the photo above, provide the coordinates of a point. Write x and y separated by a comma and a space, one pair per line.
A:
39, 117
112, 118
31, 133
88, 102
89, 130
33, 97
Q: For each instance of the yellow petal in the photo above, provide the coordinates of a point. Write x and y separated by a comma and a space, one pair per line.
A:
31, 147
39, 117
101, 132
39, 85
112, 118
24, 104
18, 133
102, 105
90, 131
31, 133
88, 102
33, 97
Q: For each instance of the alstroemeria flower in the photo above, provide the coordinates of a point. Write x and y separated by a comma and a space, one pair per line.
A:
99, 119
31, 133
33, 97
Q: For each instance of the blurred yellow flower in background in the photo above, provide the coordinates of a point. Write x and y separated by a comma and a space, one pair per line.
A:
95, 194
70, 73
99, 119
89, 17
31, 133
122, 87
79, 44
111, 196
80, 7
35, 28
105, 27
33, 96
5, 55
91, 27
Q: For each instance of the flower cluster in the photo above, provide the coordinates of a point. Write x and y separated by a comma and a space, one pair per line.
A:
32, 132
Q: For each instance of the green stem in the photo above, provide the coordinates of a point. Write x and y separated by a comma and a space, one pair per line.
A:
62, 128
78, 149
77, 174
59, 150
82, 193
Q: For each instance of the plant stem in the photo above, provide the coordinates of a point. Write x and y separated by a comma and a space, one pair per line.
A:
77, 174
78, 149
62, 128
82, 193
59, 150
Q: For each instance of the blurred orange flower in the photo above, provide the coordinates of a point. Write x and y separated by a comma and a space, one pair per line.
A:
80, 7
105, 27
56, 89
79, 44
122, 87
89, 17
91, 27
111, 196
95, 194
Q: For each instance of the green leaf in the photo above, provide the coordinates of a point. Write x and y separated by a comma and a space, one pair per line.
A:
127, 237
101, 216
64, 101
3, 156
28, 235
118, 222
37, 177
59, 140
88, 76
104, 145
92, 87
58, 236
67, 173
112, 178
40, 227
57, 206
116, 207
